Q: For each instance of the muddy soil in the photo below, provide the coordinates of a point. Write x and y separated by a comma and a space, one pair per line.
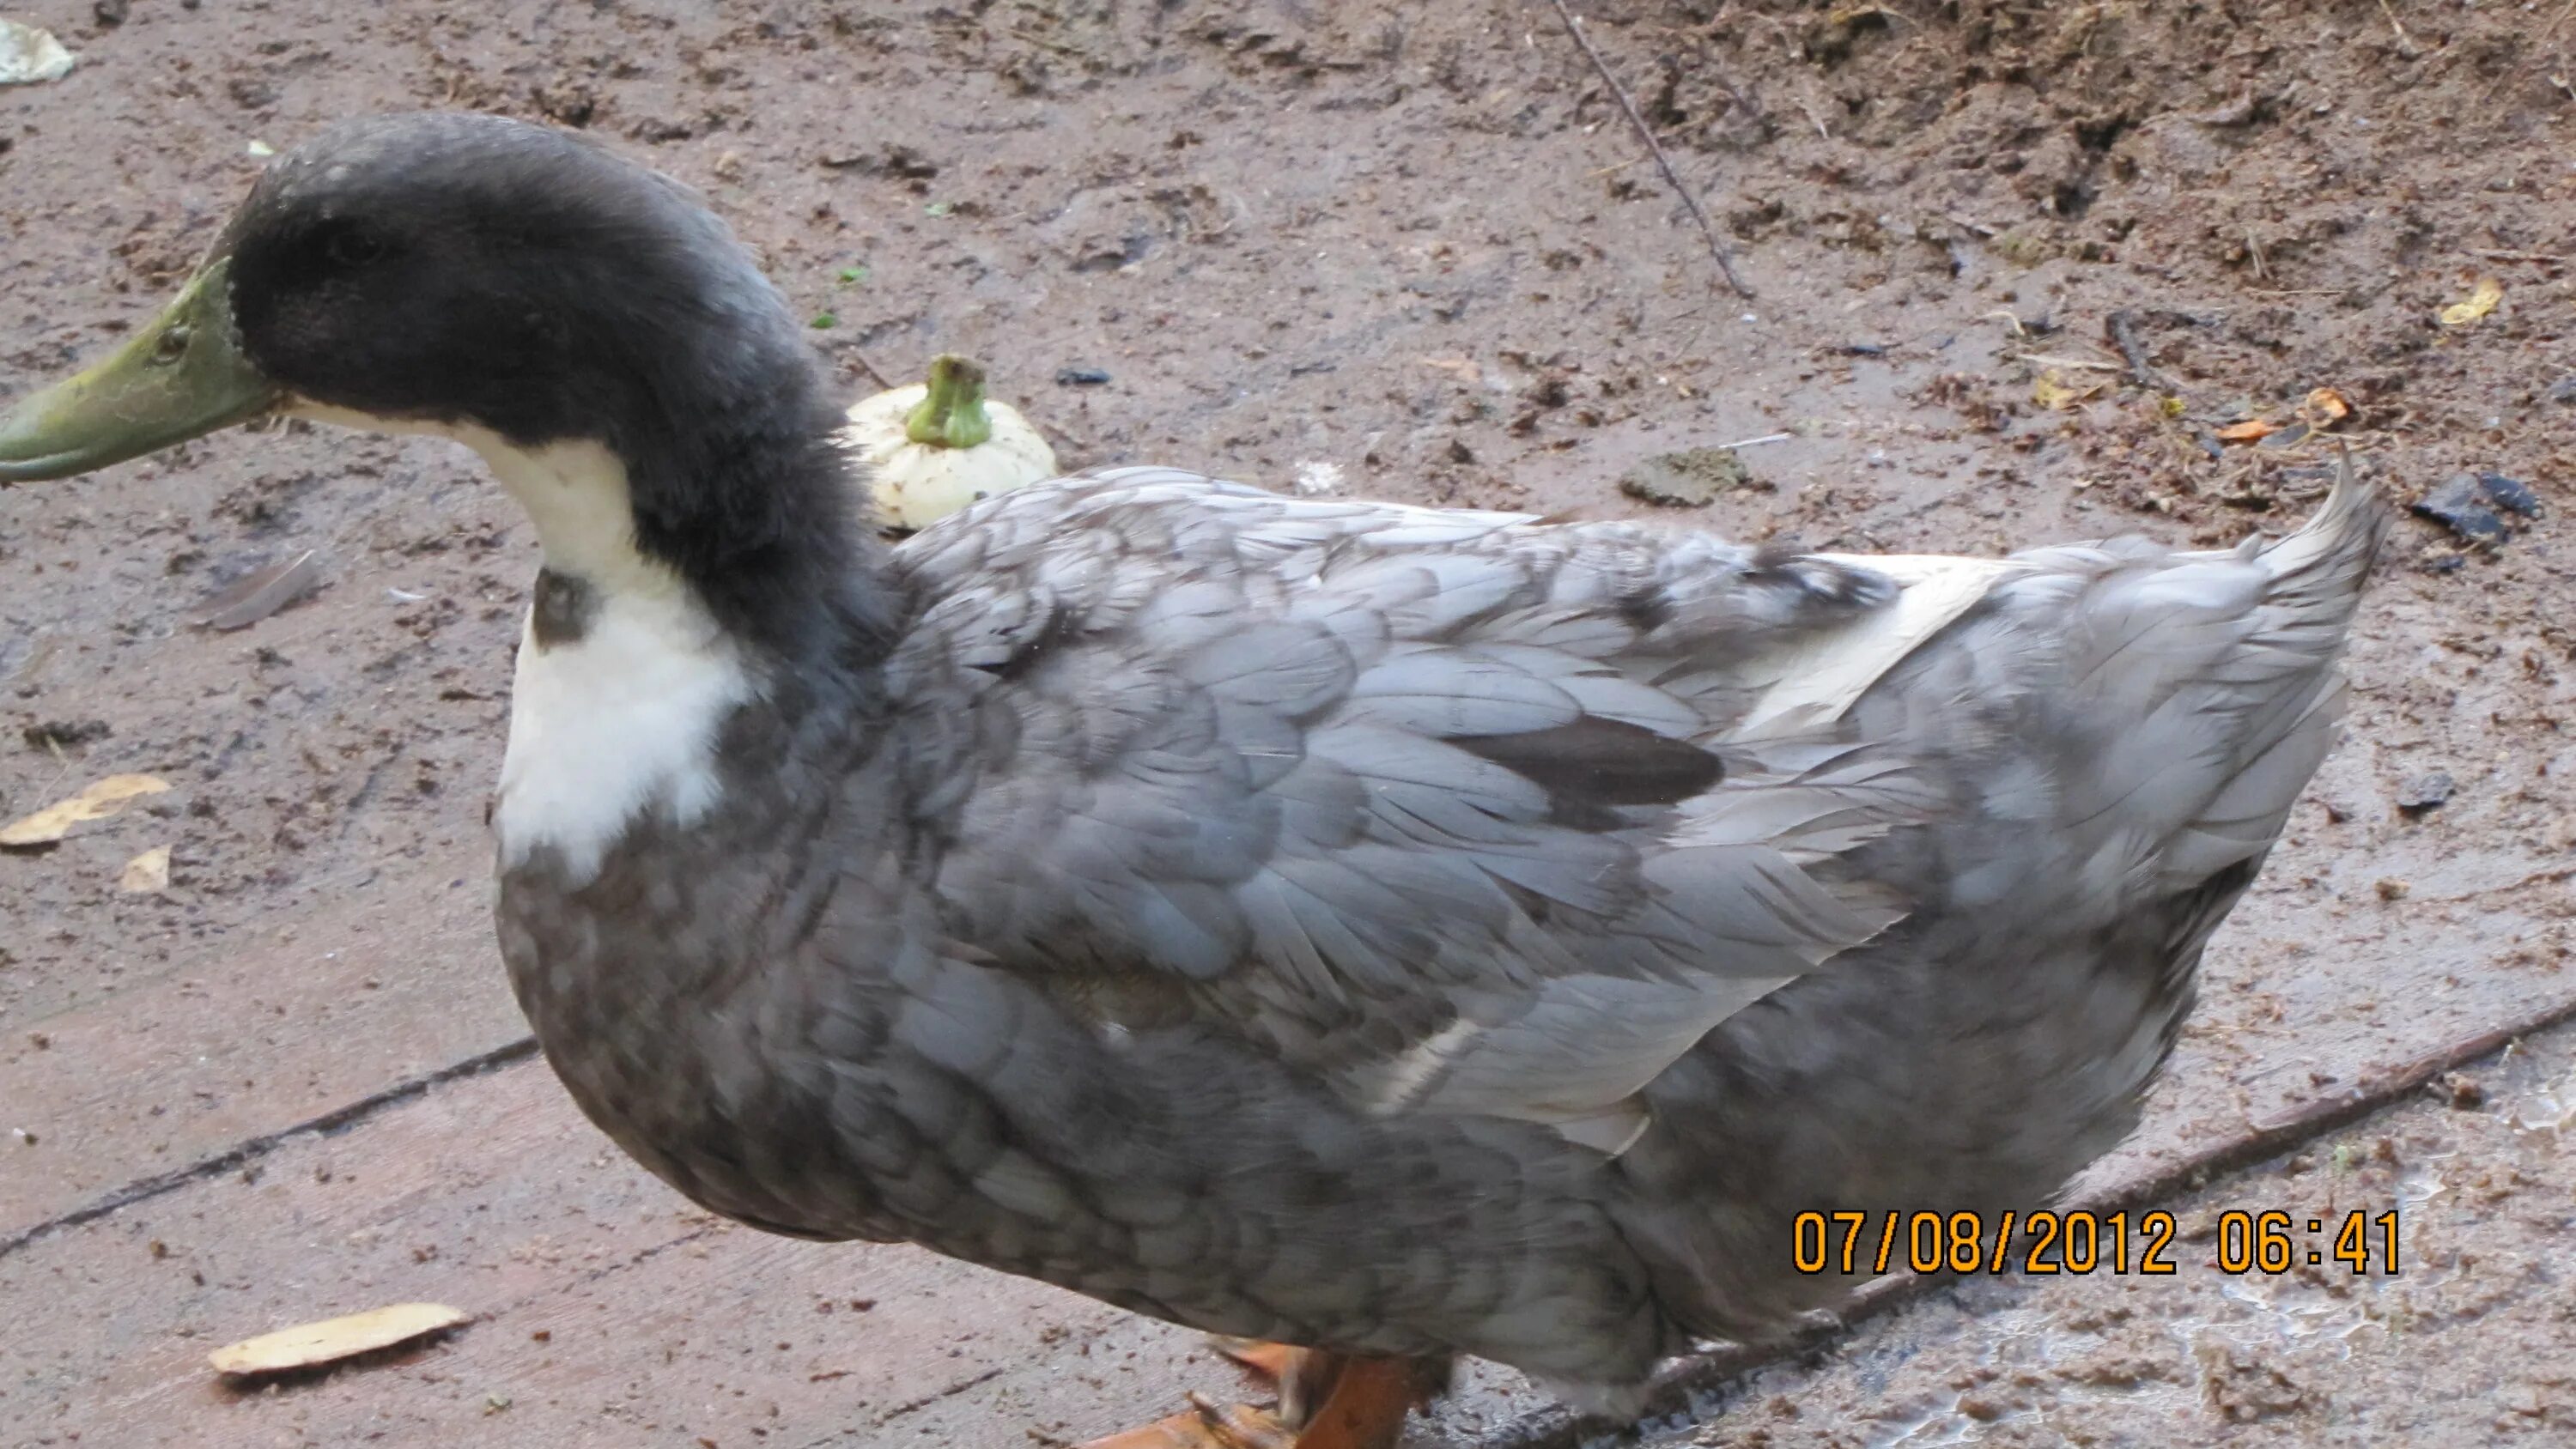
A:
2020, 273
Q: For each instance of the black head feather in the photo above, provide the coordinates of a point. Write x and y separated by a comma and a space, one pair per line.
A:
467, 268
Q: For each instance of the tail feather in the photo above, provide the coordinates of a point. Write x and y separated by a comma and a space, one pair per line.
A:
2282, 683
2115, 737
2322, 565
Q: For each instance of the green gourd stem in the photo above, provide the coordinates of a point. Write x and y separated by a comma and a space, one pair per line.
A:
953, 415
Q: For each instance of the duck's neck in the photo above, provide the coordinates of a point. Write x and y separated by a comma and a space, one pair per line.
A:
743, 493
647, 635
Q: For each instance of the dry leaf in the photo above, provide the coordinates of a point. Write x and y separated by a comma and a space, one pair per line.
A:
2482, 300
95, 803
2053, 391
2324, 406
333, 1339
248, 600
146, 874
2253, 431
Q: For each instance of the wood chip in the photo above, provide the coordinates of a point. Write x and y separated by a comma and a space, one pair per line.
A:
251, 599
333, 1339
97, 802
2482, 300
146, 874
2057, 393
2254, 431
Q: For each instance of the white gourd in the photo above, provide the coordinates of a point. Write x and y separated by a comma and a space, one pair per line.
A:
932, 448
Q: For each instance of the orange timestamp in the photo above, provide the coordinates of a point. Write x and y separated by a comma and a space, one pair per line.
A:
1975, 1242
2080, 1241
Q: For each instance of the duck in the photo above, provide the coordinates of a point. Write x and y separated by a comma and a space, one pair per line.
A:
1389, 934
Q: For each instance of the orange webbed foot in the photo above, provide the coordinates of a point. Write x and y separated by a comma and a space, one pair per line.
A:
1357, 1403
1207, 1425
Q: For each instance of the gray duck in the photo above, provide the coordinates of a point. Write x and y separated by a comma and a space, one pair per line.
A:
1398, 932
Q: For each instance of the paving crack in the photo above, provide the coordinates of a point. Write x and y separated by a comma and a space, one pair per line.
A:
338, 1119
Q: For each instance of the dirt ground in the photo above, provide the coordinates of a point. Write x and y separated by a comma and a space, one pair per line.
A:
2021, 272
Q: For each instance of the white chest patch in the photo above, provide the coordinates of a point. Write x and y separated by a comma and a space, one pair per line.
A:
620, 722
622, 719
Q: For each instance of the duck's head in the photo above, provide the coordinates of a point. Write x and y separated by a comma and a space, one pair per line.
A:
582, 321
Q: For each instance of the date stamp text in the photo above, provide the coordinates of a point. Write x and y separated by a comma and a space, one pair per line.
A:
2078, 1241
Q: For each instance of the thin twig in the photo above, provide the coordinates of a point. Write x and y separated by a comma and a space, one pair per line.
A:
1646, 133
1060, 48
2545, 258
2123, 327
2405, 41
1633, 160
2551, 33
870, 368
1743, 100
2507, 73
2051, 359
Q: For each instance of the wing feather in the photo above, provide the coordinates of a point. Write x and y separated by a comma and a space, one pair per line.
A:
1438, 806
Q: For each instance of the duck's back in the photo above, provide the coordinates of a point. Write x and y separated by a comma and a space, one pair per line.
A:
1453, 810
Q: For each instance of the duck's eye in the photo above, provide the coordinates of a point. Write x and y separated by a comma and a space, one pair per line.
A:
350, 247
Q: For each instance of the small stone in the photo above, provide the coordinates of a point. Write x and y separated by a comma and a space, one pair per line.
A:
2390, 888
2510, 493
1984, 1408
1081, 376
2563, 390
2466, 504
29, 56
1692, 478
2428, 791
111, 12
2462, 1091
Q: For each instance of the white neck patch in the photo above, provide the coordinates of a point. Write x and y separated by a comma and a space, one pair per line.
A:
623, 719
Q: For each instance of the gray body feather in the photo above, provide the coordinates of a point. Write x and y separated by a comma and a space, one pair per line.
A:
1376, 928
